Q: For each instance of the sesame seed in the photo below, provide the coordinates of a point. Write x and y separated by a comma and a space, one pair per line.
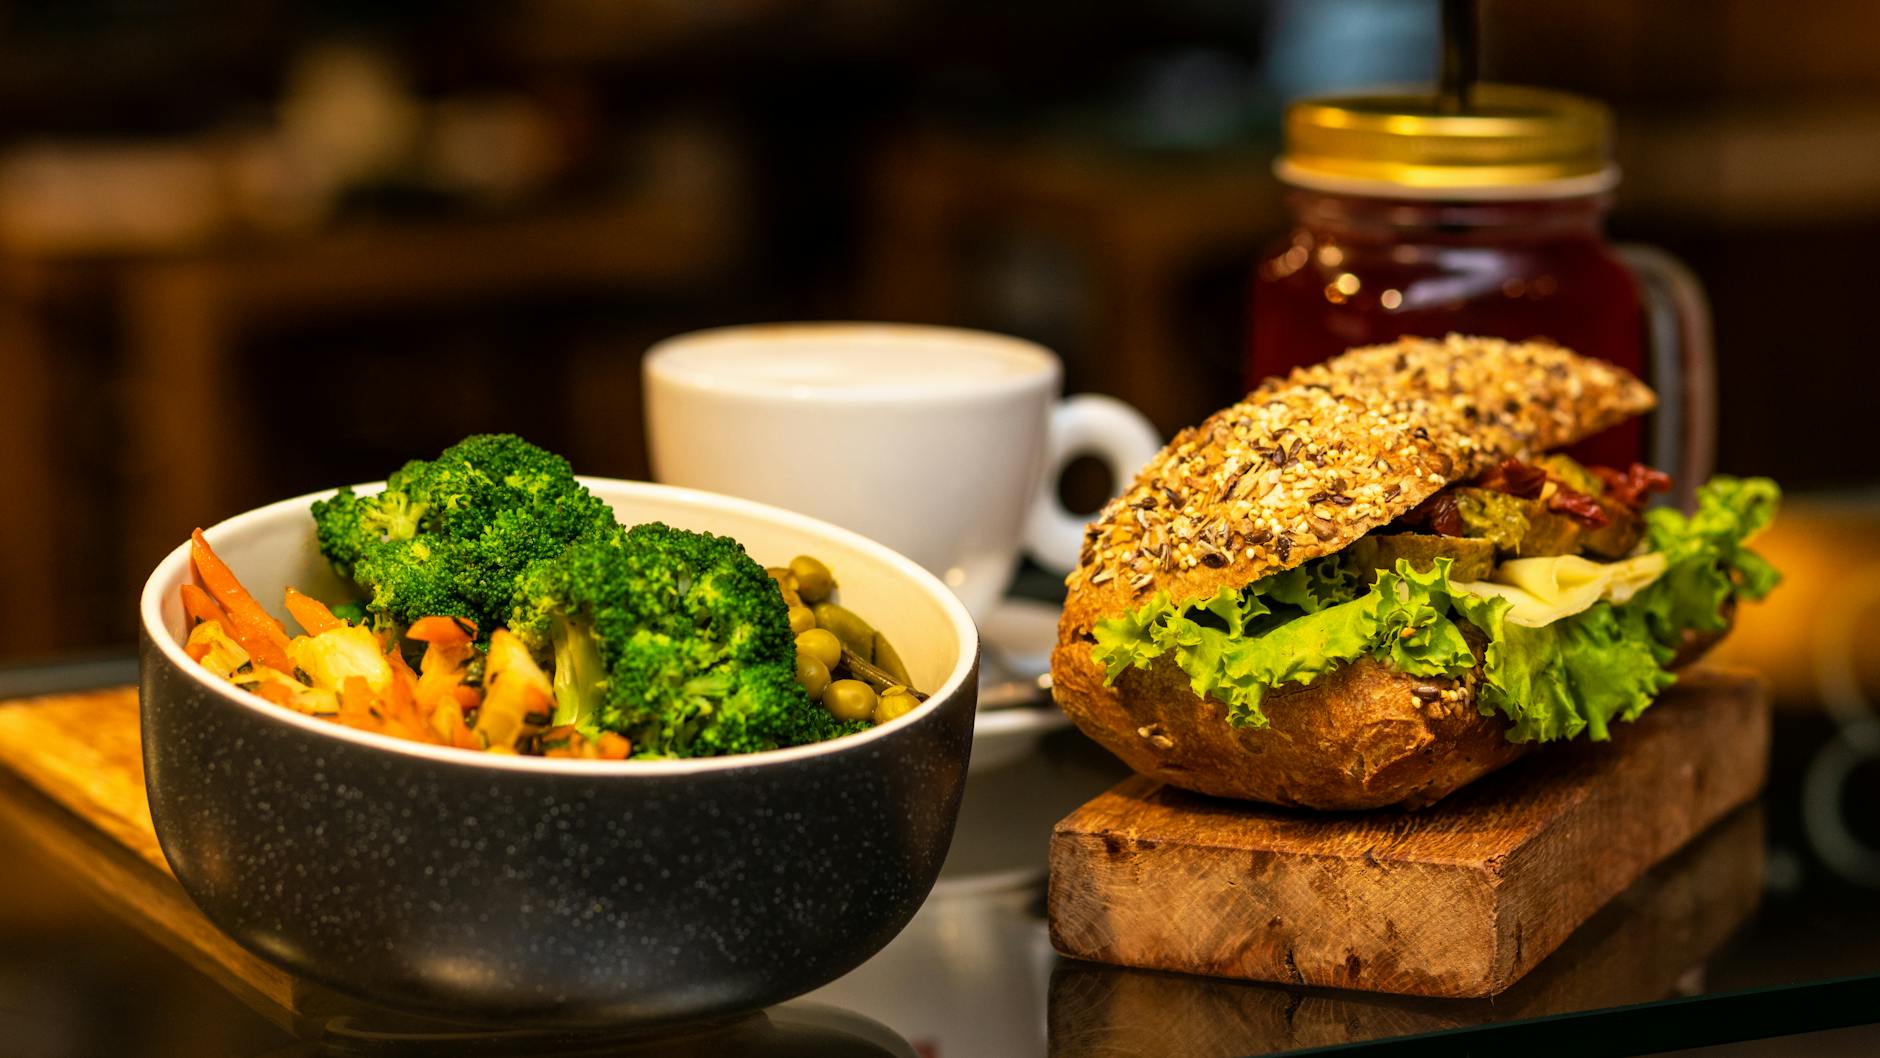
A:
1310, 462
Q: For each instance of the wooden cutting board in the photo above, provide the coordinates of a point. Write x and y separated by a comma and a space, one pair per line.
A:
1650, 943
72, 782
1460, 899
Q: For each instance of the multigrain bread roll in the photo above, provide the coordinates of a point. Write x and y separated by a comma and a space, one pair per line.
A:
1368, 446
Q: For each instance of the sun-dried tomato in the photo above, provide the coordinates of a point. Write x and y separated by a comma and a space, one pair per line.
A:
1529, 482
1578, 506
1515, 478
1631, 486
1438, 514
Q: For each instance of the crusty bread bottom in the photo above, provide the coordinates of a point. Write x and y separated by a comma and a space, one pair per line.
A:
1361, 736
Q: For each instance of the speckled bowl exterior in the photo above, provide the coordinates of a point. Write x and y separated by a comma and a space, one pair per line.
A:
557, 892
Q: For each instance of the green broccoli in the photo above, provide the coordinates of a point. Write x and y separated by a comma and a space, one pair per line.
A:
451, 536
677, 640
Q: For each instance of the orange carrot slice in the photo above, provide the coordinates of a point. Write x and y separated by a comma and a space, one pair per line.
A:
262, 636
311, 613
358, 706
401, 670
401, 702
221, 582
442, 631
449, 723
198, 605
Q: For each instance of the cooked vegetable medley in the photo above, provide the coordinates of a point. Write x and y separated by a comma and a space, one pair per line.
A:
505, 610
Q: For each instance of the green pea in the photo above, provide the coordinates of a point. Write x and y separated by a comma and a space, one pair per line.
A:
855, 633
802, 619
849, 700
894, 704
821, 644
813, 579
812, 674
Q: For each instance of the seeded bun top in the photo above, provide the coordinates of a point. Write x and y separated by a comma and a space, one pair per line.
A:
1307, 464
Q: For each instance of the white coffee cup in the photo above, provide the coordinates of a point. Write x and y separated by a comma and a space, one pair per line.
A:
944, 444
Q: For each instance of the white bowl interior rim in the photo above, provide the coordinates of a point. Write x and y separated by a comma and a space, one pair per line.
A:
173, 571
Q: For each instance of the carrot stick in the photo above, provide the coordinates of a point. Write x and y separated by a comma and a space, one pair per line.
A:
358, 706
404, 717
198, 604
401, 670
259, 644
262, 636
311, 613
448, 723
442, 631
218, 578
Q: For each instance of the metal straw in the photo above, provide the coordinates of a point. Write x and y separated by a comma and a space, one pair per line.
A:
1459, 55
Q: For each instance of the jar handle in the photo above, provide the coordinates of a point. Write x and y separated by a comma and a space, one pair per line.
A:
1682, 362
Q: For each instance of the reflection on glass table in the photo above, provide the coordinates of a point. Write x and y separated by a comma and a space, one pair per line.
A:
1751, 904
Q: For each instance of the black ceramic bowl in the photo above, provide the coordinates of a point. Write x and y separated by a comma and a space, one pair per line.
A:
565, 892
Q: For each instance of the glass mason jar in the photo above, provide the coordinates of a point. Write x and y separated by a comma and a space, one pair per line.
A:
1409, 220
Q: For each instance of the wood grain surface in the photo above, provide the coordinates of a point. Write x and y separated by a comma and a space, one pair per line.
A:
72, 781
1642, 947
1460, 899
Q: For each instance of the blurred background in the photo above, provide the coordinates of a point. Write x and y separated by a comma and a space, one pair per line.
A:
250, 250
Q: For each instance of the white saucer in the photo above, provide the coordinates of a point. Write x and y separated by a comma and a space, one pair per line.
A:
1018, 637
1018, 634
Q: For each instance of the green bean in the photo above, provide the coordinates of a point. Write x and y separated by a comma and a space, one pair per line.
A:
856, 634
882, 681
890, 662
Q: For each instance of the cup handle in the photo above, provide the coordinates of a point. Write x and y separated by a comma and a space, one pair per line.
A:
1087, 424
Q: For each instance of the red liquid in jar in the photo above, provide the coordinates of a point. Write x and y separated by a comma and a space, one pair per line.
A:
1365, 271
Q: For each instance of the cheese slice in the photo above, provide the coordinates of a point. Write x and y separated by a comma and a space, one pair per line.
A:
1544, 590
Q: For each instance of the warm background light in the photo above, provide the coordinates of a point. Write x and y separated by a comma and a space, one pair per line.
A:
1827, 611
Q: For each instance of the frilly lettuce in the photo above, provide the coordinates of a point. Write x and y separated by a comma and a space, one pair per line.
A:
1573, 676
1292, 628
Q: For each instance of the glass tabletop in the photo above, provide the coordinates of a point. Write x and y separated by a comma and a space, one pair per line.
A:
1765, 925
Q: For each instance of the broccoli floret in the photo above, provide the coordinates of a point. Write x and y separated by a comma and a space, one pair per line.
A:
452, 535
677, 640
420, 577
337, 527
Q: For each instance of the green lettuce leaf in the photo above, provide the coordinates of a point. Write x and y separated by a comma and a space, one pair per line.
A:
1570, 677
1706, 560
1292, 628
1575, 676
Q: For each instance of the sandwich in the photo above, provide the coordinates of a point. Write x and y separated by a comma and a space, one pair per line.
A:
1375, 580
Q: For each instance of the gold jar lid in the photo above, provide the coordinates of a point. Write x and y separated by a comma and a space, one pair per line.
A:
1513, 142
